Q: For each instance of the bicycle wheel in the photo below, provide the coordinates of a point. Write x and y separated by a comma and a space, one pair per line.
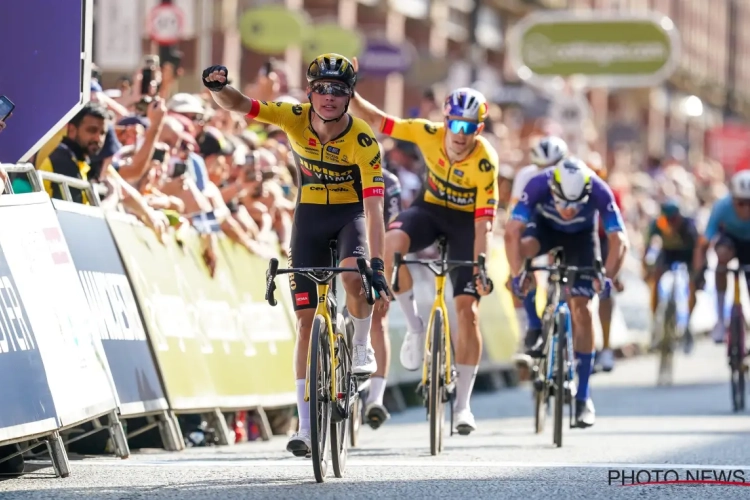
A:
436, 384
561, 355
666, 350
736, 356
541, 396
320, 399
339, 426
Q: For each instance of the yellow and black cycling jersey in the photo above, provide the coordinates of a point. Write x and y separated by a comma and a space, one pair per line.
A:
467, 186
343, 171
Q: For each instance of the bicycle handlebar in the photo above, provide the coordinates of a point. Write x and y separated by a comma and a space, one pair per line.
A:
563, 269
439, 267
320, 275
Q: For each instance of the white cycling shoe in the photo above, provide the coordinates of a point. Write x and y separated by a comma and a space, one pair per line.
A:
363, 360
465, 423
412, 350
300, 443
607, 360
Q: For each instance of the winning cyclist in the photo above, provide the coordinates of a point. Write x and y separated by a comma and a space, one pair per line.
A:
559, 207
458, 200
679, 238
606, 304
340, 197
549, 151
728, 229
375, 412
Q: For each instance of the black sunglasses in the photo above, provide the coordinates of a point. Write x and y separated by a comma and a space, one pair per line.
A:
334, 88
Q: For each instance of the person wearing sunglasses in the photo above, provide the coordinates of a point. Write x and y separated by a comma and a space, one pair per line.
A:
547, 152
728, 230
340, 197
458, 200
560, 207
679, 237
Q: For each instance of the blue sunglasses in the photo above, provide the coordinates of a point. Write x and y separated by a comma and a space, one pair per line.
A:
460, 126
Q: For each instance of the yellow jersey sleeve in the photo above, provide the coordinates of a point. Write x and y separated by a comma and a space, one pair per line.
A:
368, 159
281, 114
46, 166
487, 185
417, 130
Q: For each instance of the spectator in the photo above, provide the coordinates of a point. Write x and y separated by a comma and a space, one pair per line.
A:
84, 138
2, 124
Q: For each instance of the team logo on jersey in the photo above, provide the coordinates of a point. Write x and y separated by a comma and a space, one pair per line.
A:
485, 165
312, 142
333, 150
458, 173
377, 179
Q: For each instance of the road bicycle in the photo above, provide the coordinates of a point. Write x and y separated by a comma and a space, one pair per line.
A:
357, 416
438, 372
553, 373
330, 386
666, 324
736, 342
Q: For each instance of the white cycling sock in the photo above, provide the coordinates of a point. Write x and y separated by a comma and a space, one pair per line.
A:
464, 384
409, 306
361, 329
377, 390
720, 298
303, 407
523, 324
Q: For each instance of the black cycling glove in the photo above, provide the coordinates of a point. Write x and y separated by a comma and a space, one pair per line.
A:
379, 283
477, 279
215, 86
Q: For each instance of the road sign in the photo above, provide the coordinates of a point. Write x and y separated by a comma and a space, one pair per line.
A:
380, 58
614, 49
165, 24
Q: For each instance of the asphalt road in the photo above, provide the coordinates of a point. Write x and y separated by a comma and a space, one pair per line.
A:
640, 426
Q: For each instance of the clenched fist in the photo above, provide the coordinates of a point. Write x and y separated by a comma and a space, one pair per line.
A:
215, 78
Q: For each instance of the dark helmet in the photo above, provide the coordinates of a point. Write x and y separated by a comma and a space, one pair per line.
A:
332, 67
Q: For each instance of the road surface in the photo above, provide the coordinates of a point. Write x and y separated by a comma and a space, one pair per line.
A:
639, 426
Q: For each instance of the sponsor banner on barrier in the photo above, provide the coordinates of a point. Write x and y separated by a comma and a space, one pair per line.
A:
47, 283
270, 329
172, 324
113, 308
213, 345
26, 406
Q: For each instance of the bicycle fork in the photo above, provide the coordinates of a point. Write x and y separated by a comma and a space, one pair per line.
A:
561, 312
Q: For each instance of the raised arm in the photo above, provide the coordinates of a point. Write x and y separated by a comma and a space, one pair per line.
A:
226, 96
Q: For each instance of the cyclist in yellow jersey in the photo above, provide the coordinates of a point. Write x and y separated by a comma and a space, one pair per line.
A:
458, 200
340, 197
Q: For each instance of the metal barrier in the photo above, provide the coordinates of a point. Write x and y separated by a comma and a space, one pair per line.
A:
36, 178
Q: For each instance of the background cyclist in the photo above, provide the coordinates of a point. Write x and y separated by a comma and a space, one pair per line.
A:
458, 200
559, 207
679, 237
355, 219
549, 151
728, 229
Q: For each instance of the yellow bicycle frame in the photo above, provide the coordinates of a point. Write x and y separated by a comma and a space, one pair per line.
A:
322, 311
736, 284
438, 304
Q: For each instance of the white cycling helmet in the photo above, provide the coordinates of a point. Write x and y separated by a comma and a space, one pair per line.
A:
466, 103
549, 151
571, 181
740, 185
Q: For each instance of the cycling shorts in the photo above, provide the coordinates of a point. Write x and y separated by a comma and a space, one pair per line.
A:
313, 229
425, 224
740, 248
667, 258
581, 249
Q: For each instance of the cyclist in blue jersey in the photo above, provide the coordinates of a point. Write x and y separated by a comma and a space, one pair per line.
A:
728, 230
560, 207
375, 412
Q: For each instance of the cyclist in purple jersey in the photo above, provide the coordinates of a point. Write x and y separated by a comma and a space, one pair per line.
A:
560, 207
375, 412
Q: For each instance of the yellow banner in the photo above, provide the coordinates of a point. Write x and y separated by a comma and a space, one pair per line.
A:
211, 336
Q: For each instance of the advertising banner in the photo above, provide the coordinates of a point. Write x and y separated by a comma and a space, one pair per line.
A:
615, 49
113, 308
46, 39
27, 407
171, 323
270, 330
47, 284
